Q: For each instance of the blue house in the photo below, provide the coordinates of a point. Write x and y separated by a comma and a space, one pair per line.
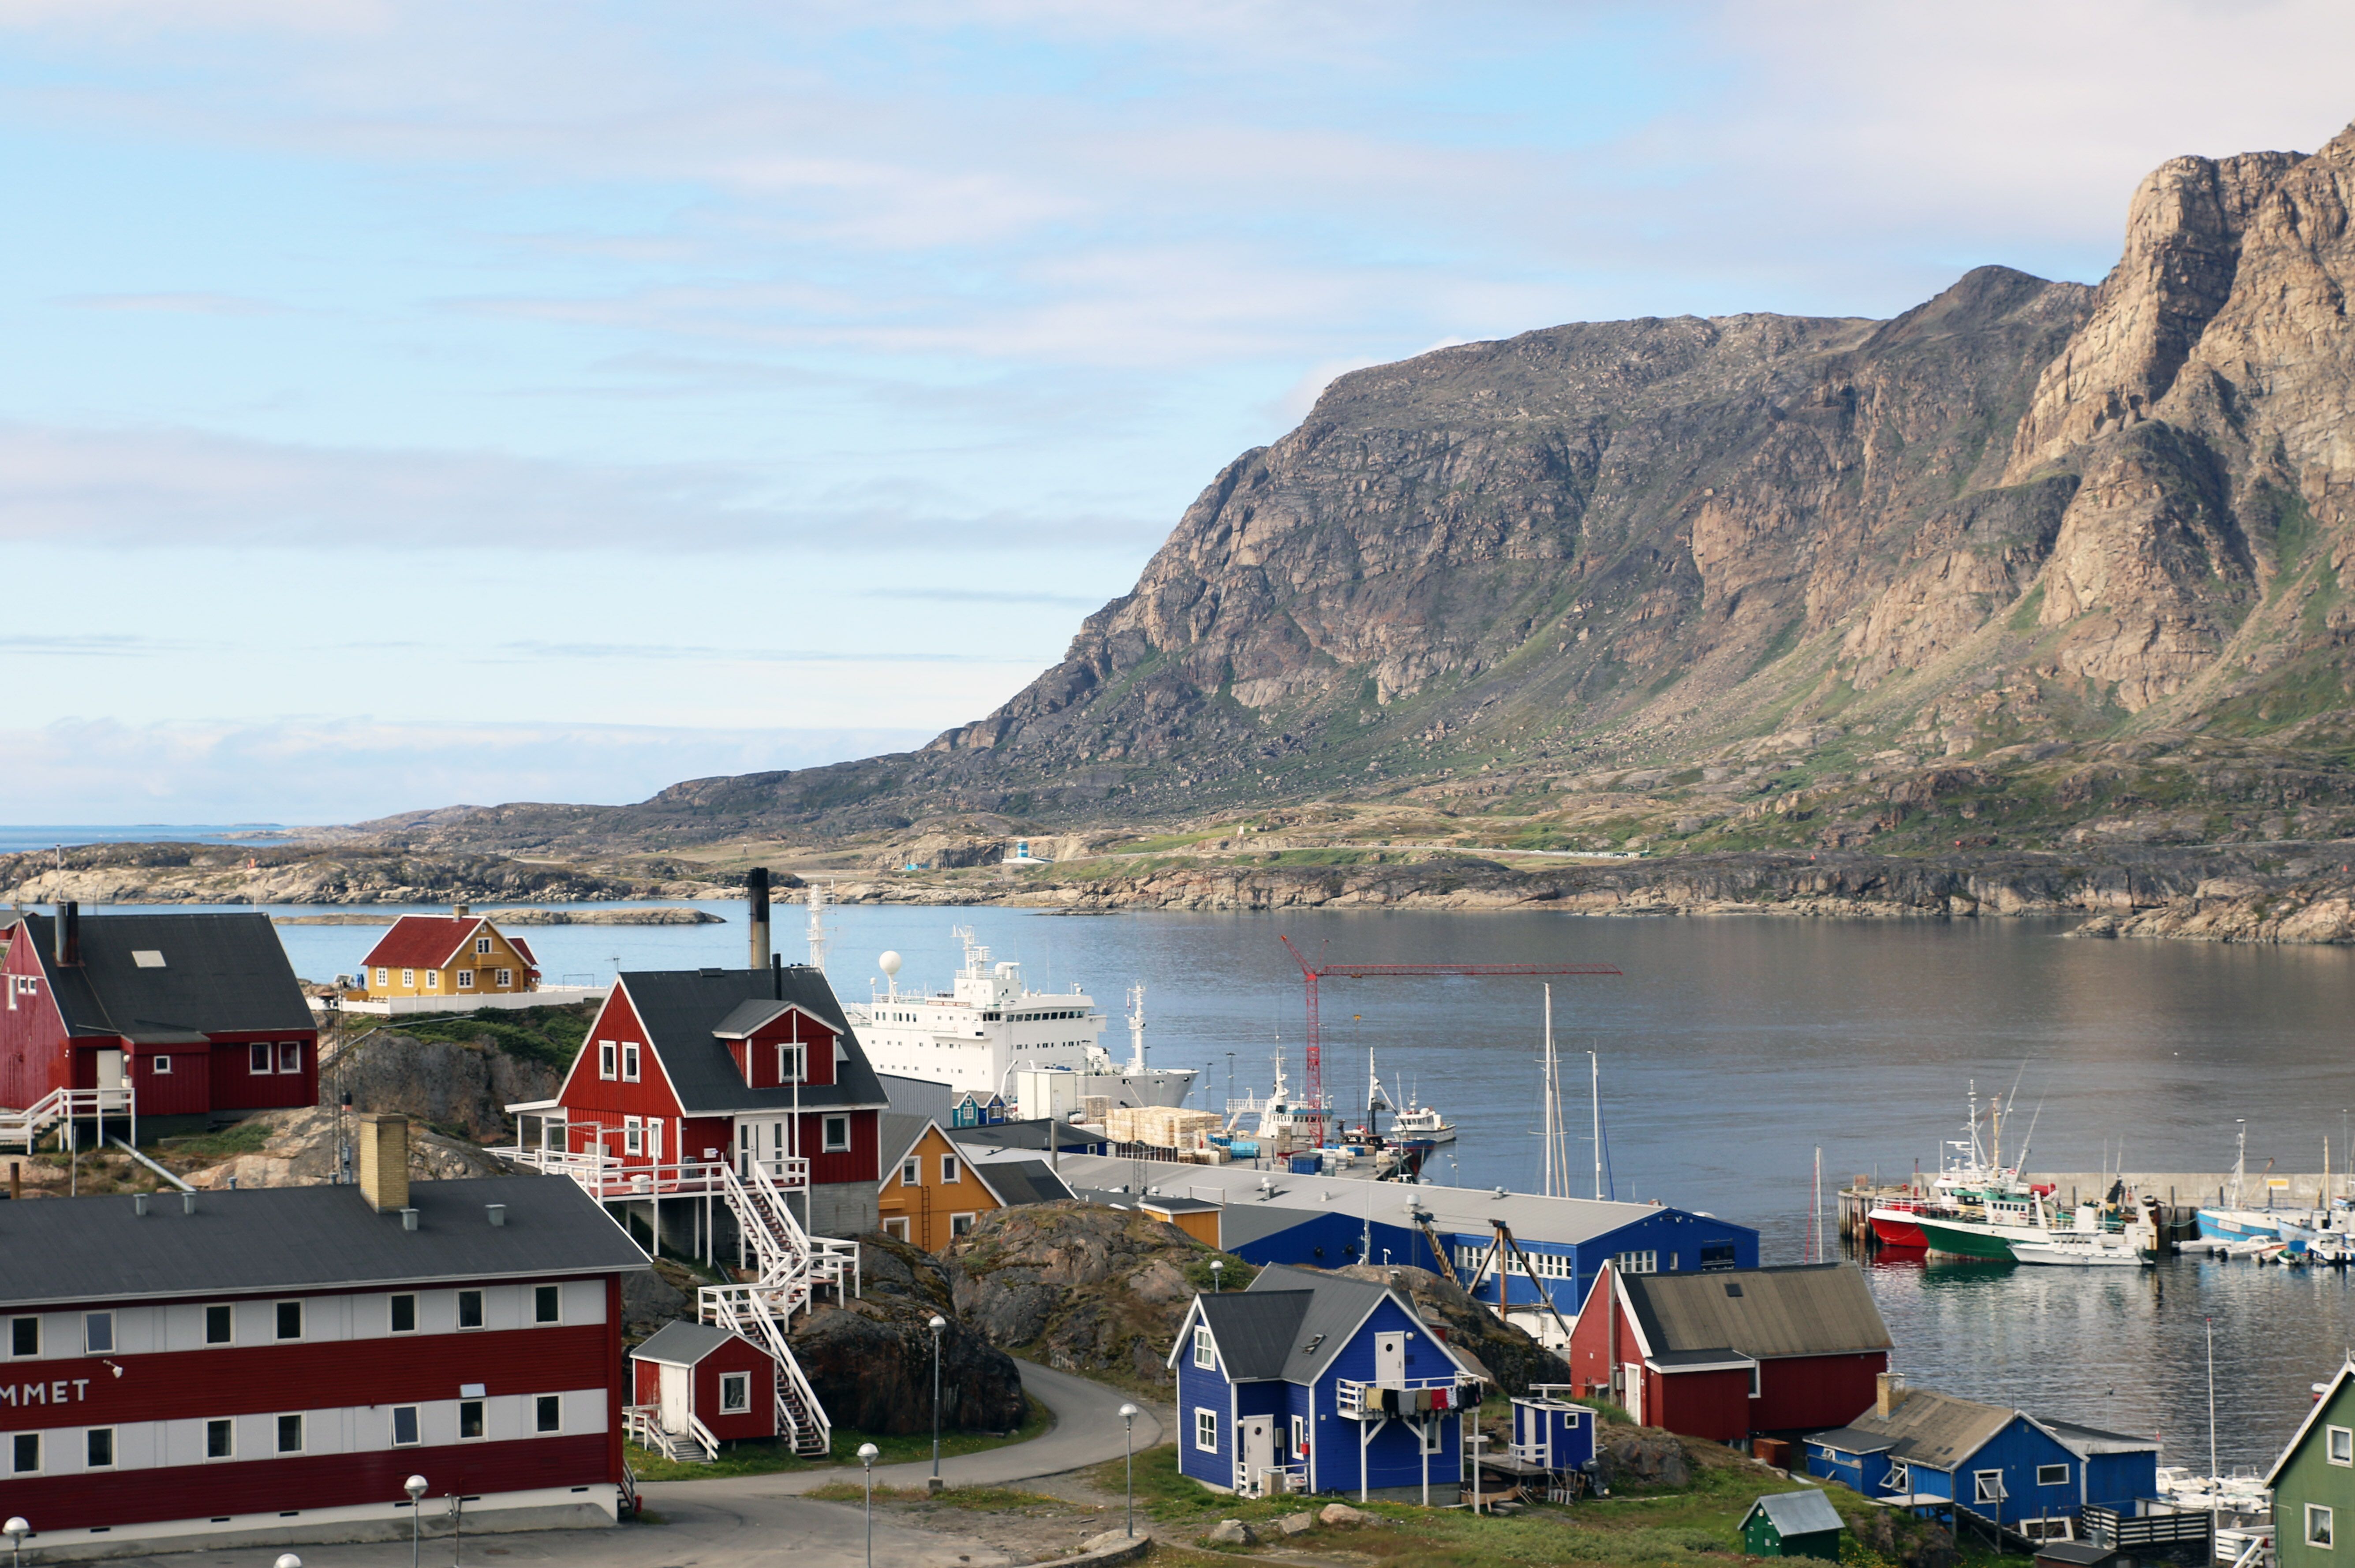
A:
1927, 1450
1311, 1384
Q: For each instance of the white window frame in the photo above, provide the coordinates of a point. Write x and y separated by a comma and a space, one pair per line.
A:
735, 1393
416, 1426
608, 1060
1986, 1487
539, 1413
506, 978
952, 1170
634, 1135
541, 1297
1206, 1429
961, 1224
482, 1414
1206, 1352
1899, 1477
13, 1322
1757, 1379
261, 1059
391, 1307
630, 1061
113, 1455
2044, 1477
278, 1334
2321, 1514
290, 1056
1644, 1262
384, 977
792, 1061
1432, 1432
227, 1428
481, 1312
228, 1307
98, 1334
834, 1135
911, 1171
40, 1452
160, 1066
896, 1226
466, 979
2339, 1445
433, 979
278, 1432
409, 979
482, 945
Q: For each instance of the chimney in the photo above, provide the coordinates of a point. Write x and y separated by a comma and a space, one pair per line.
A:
756, 898
384, 1161
139, 1203
187, 1202
1888, 1393
459, 909
499, 1213
69, 934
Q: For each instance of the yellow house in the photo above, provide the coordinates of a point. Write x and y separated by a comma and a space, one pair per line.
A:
456, 955
932, 1194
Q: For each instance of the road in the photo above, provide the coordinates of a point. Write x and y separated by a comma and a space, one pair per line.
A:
742, 1521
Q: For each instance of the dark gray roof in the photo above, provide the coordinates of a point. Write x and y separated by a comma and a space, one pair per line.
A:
682, 1344
270, 1240
1028, 1135
917, 1096
1689, 1361
1936, 1430
221, 974
1338, 1305
749, 1016
681, 1008
1848, 1440
1256, 1330
1804, 1512
1799, 1309
1022, 1181
2093, 1440
898, 1134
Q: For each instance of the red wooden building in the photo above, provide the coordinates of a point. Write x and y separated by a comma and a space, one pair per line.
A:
1734, 1353
199, 1014
240, 1367
691, 1374
683, 1066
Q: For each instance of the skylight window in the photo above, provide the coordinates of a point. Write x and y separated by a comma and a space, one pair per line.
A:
147, 958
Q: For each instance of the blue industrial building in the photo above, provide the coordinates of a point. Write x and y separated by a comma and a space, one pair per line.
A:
1932, 1450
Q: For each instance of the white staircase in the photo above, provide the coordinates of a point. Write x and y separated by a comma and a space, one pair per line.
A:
23, 1129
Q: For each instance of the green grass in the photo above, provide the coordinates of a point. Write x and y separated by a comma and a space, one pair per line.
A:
551, 1035
766, 1459
245, 1138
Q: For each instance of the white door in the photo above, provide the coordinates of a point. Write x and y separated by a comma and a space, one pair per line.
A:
1259, 1444
674, 1399
1390, 1359
1632, 1376
109, 1075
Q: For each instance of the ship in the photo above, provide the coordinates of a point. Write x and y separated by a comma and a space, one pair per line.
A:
990, 1034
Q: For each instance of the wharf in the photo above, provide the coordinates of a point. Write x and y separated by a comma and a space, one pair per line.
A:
2183, 1193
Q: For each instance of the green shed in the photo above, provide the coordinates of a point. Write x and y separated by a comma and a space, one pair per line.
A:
1792, 1524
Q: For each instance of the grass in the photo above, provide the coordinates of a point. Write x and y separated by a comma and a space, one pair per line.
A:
245, 1138
768, 1458
549, 1034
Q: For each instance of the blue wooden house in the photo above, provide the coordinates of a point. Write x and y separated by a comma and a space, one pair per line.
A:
1932, 1451
1310, 1383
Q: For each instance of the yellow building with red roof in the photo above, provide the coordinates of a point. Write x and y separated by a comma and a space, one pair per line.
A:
456, 955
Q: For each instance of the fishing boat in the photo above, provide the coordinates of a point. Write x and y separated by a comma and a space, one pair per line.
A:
2091, 1244
1972, 1192
2235, 1221
1421, 1122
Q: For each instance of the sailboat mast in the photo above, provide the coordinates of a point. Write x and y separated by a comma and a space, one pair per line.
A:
1594, 1063
1552, 1109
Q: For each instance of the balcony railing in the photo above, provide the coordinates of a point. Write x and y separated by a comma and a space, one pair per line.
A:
1366, 1402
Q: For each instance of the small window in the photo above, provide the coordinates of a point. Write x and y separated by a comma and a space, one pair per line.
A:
605, 1059
949, 1168
547, 1304
1987, 1485
789, 1064
2051, 1475
633, 1135
161, 1066
2342, 1444
433, 979
1434, 1434
735, 1392
1206, 1354
256, 1059
960, 1224
408, 979
466, 979
24, 1336
1900, 1478
289, 1320
404, 1315
1715, 1255
470, 1310
1206, 1430
97, 1333
506, 978
469, 1420
290, 1435
290, 1056
896, 1227
1638, 1263
629, 1061
404, 1426
836, 1138
1299, 1438
911, 1172
220, 1325
2317, 1525
548, 1412
98, 1448
221, 1439
25, 1453
383, 977
482, 945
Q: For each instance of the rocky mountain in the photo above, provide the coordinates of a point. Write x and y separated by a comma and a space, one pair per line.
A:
2026, 525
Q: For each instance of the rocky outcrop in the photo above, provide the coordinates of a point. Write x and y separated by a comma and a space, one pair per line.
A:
871, 1364
449, 1084
1086, 1289
2319, 910
99, 874
301, 1151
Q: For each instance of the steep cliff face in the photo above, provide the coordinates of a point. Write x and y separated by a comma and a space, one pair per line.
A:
2023, 511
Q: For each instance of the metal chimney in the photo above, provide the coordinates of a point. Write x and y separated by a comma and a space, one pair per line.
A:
756, 896
69, 934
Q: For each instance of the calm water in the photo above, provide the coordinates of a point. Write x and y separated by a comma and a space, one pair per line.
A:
16, 837
1730, 1051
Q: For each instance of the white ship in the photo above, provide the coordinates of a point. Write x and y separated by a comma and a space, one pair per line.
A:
988, 1034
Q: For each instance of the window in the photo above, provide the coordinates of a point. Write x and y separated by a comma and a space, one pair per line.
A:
258, 1059
735, 1392
469, 1420
289, 1320
482, 945
836, 1135
896, 1227
960, 1224
629, 1061
97, 1333
1900, 1478
2340, 1441
98, 1448
290, 1435
949, 1168
605, 1059
383, 977
654, 1138
2317, 1524
789, 1064
1987, 1485
408, 979
466, 979
221, 1439
24, 1336
470, 1310
220, 1325
161, 1066
1206, 1354
1299, 1437
1434, 1431
433, 979
506, 978
911, 1171
548, 1412
25, 1453
404, 1426
1206, 1430
2051, 1475
1757, 1384
634, 1135
1637, 1262
404, 1315
290, 1056
547, 1304
1715, 1255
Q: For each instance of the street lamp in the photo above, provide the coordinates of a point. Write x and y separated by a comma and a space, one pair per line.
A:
15, 1530
415, 1487
1218, 1269
938, 1323
866, 1452
1128, 1442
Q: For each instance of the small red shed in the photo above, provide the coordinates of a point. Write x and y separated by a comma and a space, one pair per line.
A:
720, 1378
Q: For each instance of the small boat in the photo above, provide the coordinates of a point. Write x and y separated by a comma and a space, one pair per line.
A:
2089, 1249
1422, 1122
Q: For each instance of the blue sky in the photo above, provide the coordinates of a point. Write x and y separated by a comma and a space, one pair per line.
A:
415, 403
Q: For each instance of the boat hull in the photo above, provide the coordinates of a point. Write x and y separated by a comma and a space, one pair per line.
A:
2236, 1225
1898, 1228
2067, 1255
1951, 1239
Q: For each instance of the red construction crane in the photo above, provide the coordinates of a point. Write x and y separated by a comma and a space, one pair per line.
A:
1314, 973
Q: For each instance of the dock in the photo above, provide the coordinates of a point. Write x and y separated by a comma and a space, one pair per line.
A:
2183, 1194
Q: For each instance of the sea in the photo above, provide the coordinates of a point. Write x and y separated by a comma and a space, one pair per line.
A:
1731, 1053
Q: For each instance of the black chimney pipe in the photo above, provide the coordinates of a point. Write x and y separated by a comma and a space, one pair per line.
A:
69, 934
756, 895
776, 977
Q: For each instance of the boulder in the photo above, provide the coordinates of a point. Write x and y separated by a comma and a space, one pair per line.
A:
871, 1364
1110, 1540
1232, 1533
1917, 1544
1645, 1459
1295, 1524
1341, 1513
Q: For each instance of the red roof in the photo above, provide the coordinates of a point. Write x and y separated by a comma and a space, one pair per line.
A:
422, 941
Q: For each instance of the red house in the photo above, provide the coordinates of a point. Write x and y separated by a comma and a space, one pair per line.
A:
697, 1385
740, 1064
1730, 1354
198, 1014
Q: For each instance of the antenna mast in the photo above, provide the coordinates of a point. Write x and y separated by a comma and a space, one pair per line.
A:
817, 931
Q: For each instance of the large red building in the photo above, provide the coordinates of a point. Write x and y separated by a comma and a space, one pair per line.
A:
1735, 1353
744, 1065
199, 1014
221, 1369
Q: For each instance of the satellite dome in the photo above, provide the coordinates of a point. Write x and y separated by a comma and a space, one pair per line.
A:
889, 962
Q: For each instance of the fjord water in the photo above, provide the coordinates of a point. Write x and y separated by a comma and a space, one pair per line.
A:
1730, 1049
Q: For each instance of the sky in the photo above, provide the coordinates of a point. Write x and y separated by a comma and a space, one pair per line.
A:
409, 404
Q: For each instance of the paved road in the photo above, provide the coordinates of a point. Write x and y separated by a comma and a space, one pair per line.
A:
758, 1522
